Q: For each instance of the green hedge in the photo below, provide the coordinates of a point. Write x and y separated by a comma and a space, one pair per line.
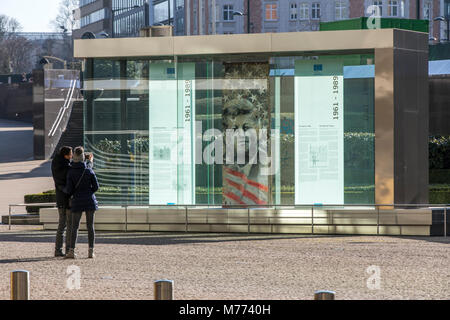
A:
439, 176
114, 146
44, 197
439, 152
439, 194
439, 197
359, 150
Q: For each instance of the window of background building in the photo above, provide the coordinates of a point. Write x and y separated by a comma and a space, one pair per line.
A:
195, 15
393, 8
304, 11
122, 6
86, 2
228, 12
161, 11
293, 11
315, 12
427, 10
378, 3
129, 20
180, 28
271, 12
340, 10
93, 17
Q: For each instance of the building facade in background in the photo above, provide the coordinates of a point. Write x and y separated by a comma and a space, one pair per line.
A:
93, 16
200, 17
216, 16
129, 17
177, 10
445, 11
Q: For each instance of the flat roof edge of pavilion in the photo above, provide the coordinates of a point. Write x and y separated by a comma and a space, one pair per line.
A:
342, 40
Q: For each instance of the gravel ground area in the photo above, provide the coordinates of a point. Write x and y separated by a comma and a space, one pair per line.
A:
230, 266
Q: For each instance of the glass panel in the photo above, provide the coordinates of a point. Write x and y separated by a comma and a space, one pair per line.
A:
172, 132
283, 119
439, 141
158, 128
358, 137
161, 11
208, 116
116, 129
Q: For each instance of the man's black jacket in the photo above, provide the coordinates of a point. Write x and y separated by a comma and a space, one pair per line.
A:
60, 167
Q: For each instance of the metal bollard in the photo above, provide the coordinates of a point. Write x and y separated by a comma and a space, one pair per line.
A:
164, 290
324, 295
20, 285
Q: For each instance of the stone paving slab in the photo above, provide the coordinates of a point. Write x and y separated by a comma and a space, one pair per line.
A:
229, 266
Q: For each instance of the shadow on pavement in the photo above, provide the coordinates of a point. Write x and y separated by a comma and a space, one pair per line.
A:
154, 239
161, 239
436, 239
25, 260
43, 171
18, 145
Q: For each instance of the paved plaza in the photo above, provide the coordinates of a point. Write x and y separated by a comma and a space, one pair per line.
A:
230, 266
19, 173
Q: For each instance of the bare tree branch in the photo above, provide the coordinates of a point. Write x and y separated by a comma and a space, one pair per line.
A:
65, 17
15, 52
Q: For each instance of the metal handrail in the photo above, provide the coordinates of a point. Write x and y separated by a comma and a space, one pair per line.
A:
51, 204
275, 206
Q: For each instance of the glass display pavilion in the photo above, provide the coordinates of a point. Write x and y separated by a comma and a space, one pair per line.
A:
302, 118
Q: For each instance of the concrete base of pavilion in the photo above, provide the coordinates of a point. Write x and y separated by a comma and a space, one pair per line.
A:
332, 221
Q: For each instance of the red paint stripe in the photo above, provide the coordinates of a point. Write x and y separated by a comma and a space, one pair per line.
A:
250, 182
238, 186
258, 185
234, 197
236, 174
245, 193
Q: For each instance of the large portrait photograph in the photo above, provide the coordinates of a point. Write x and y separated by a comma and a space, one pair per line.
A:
246, 124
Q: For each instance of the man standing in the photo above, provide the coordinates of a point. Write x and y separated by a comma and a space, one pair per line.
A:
60, 167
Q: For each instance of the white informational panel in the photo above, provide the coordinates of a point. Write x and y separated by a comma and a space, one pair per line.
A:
319, 132
171, 128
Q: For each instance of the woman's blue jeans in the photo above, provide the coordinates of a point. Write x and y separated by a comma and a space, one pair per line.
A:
76, 218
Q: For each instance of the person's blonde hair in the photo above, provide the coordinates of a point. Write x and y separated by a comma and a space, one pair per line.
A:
78, 154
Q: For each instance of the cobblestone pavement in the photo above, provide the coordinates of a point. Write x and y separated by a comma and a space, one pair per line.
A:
230, 266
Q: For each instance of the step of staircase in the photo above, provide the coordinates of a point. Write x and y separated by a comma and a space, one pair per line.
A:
73, 135
22, 219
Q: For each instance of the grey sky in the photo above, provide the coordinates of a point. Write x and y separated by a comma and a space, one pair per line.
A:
33, 15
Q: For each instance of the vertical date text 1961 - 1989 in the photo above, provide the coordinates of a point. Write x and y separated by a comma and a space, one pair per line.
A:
335, 106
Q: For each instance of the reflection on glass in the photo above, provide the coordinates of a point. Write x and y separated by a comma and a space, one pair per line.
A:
116, 129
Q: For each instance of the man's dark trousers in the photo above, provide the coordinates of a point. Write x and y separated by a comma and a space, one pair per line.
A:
65, 223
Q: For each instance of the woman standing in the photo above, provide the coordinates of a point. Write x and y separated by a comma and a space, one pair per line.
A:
82, 185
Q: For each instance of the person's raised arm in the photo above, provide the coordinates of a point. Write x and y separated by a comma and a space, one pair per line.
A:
94, 182
89, 160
